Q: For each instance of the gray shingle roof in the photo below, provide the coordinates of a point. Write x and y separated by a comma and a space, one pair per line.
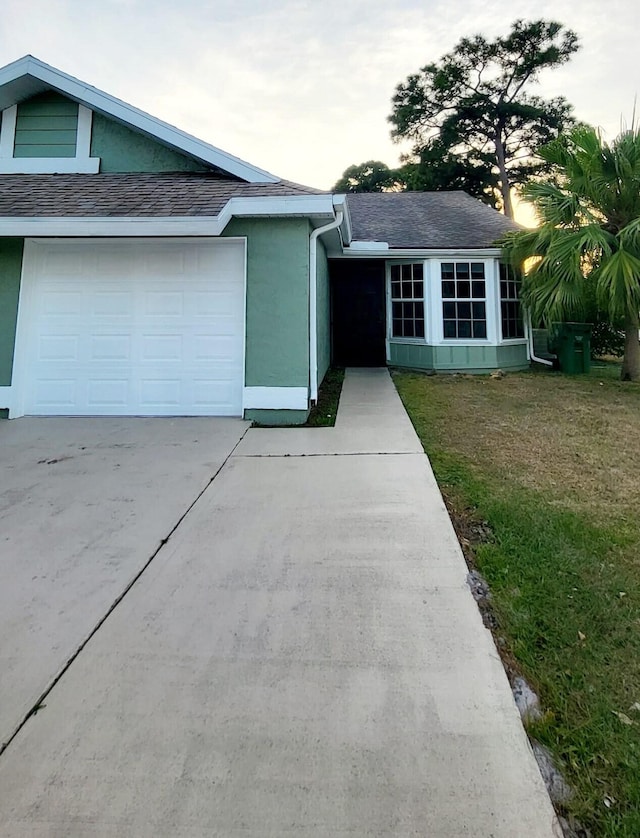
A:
426, 220
116, 195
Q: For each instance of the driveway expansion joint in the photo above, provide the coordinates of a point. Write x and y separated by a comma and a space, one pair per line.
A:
39, 705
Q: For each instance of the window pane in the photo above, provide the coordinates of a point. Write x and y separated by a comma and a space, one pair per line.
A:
396, 310
395, 289
395, 273
464, 290
479, 329
406, 289
479, 311
419, 310
462, 270
464, 311
397, 328
504, 288
406, 272
448, 289
417, 271
449, 311
407, 311
449, 328
478, 289
464, 328
419, 328
408, 329
477, 270
446, 270
418, 290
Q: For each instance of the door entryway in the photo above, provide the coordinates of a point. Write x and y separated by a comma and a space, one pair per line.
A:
358, 313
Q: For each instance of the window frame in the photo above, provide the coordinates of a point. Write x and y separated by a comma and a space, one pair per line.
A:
503, 339
391, 338
486, 299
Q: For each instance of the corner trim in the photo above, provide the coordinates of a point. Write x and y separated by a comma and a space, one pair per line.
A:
5, 398
276, 398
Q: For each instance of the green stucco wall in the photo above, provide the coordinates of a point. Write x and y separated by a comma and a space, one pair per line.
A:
323, 315
123, 150
46, 126
10, 270
277, 352
455, 358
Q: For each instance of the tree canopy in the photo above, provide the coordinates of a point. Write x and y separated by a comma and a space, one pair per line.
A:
372, 176
475, 104
589, 233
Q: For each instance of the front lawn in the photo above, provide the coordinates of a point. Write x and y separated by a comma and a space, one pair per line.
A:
546, 468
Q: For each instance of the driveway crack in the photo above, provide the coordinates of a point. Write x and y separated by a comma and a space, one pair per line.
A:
39, 704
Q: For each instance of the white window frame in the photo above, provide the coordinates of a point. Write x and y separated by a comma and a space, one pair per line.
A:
503, 339
424, 299
82, 163
489, 300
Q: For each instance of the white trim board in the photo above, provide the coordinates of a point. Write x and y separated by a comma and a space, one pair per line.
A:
5, 398
206, 225
49, 165
32, 69
276, 398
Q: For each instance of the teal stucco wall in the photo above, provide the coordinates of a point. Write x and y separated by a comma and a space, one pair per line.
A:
323, 314
456, 358
277, 353
46, 126
10, 271
123, 150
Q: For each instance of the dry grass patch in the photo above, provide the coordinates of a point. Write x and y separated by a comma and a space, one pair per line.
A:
577, 438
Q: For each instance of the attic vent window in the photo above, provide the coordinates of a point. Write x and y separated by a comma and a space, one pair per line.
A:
47, 134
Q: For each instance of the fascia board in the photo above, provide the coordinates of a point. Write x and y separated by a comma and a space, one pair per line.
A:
418, 253
297, 206
122, 112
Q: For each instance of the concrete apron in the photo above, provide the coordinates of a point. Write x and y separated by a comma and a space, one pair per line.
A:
302, 658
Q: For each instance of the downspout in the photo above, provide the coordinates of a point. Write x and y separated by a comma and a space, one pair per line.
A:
530, 348
313, 303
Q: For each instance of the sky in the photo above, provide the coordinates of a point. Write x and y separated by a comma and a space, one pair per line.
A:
299, 88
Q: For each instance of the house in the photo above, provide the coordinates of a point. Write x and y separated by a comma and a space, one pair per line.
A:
145, 272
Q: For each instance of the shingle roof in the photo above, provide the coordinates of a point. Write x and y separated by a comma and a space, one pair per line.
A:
425, 220
116, 195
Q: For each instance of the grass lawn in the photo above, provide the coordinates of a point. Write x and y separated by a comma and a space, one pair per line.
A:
546, 469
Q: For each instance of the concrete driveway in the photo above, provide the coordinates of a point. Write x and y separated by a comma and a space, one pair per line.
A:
84, 504
303, 657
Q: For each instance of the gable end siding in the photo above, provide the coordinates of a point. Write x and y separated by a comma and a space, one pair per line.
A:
46, 126
122, 150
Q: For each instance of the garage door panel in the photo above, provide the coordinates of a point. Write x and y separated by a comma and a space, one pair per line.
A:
151, 331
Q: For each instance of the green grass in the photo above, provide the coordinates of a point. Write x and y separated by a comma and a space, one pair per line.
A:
551, 463
323, 415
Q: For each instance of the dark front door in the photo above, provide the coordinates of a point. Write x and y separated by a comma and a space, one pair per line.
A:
358, 313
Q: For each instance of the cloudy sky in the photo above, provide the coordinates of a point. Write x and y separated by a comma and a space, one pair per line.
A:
303, 88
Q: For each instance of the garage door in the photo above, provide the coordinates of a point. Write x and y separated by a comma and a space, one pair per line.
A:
131, 327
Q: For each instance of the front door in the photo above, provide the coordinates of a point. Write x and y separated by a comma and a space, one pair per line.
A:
358, 313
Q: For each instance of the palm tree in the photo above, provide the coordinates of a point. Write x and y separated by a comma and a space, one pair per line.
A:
589, 214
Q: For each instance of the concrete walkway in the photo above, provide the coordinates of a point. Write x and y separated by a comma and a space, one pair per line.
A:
302, 658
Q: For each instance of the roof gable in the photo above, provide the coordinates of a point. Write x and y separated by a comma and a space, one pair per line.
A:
28, 77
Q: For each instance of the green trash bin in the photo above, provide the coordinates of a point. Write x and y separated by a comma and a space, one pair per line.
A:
572, 344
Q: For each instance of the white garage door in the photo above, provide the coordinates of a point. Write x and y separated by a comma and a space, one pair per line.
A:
131, 328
